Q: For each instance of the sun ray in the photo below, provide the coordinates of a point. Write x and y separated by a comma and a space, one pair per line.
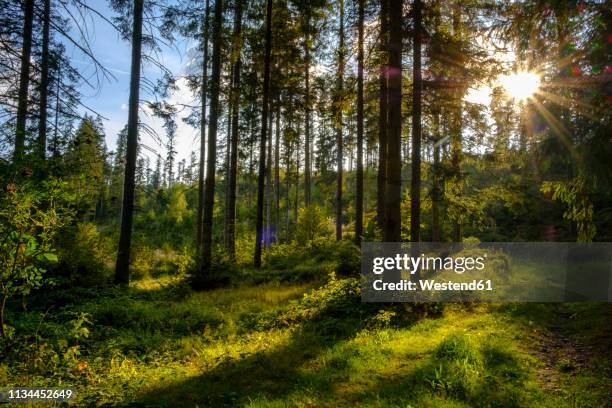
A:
585, 108
559, 130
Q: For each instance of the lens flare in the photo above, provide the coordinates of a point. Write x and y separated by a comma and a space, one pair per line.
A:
520, 85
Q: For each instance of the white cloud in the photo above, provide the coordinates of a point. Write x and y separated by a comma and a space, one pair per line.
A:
187, 137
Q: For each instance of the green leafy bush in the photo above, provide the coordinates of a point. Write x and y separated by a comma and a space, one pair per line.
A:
575, 195
85, 256
30, 216
311, 224
293, 262
147, 262
334, 308
345, 254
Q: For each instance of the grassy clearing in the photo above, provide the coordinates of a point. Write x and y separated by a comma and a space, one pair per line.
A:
159, 344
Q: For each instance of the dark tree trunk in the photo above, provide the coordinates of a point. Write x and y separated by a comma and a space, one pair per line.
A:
381, 180
233, 175
277, 173
288, 155
251, 167
203, 92
268, 223
122, 269
56, 152
393, 225
339, 124
228, 152
264, 128
307, 116
417, 85
297, 177
2, 307
435, 191
457, 125
44, 83
288, 191
209, 188
359, 187
24, 80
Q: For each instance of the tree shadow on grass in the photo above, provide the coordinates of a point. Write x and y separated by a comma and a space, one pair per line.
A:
489, 376
270, 374
79, 296
496, 378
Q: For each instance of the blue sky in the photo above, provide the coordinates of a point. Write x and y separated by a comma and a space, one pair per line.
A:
114, 53
110, 100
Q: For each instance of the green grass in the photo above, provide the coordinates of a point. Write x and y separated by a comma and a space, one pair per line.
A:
159, 344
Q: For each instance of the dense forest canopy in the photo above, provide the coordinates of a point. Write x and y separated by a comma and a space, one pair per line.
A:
424, 121
320, 124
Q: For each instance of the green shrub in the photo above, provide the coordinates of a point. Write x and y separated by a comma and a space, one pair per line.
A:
457, 370
85, 256
146, 262
142, 261
333, 309
348, 257
30, 217
311, 224
223, 270
457, 348
314, 262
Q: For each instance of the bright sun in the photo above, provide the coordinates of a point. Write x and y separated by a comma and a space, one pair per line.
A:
520, 85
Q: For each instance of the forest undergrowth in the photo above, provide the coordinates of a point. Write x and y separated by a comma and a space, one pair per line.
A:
305, 340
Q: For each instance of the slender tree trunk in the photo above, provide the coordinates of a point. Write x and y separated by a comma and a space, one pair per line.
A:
297, 177
231, 208
251, 167
122, 268
383, 103
268, 224
339, 124
24, 80
2, 308
44, 83
417, 84
307, 116
435, 191
228, 151
288, 154
359, 187
203, 92
56, 152
437, 136
264, 129
393, 222
457, 125
277, 173
288, 188
209, 188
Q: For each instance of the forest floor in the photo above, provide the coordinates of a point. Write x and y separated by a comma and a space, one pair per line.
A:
159, 344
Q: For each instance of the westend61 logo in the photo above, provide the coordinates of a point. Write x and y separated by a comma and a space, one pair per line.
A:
427, 263
485, 271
